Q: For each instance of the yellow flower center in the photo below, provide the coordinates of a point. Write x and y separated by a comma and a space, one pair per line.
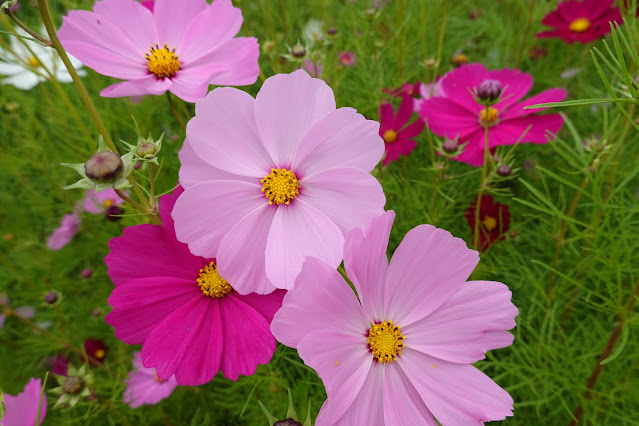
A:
162, 62
390, 136
99, 354
33, 61
489, 223
107, 203
580, 25
489, 116
157, 379
385, 341
280, 186
211, 283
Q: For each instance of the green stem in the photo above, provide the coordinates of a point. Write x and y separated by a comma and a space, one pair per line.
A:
522, 47
175, 111
482, 185
400, 4
29, 31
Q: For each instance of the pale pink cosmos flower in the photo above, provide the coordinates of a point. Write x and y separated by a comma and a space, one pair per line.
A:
402, 353
97, 203
22, 410
275, 179
69, 226
181, 49
144, 386
428, 90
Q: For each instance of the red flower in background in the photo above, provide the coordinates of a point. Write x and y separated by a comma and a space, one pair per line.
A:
396, 132
494, 220
95, 349
408, 89
580, 21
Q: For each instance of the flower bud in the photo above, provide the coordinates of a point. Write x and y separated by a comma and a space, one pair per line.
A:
298, 51
73, 385
450, 146
52, 298
332, 31
287, 422
489, 91
104, 167
268, 46
113, 213
146, 148
87, 272
504, 170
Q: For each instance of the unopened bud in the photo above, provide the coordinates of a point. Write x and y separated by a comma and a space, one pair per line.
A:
104, 167
73, 385
489, 90
146, 148
113, 213
504, 170
52, 297
332, 31
450, 145
298, 51
87, 272
287, 422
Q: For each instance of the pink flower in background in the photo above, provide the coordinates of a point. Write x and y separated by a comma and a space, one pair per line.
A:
23, 311
428, 91
581, 21
68, 228
401, 350
459, 114
180, 49
281, 177
190, 321
314, 69
347, 59
22, 410
103, 200
144, 386
407, 89
396, 131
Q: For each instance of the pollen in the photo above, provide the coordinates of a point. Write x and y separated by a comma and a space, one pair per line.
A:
157, 379
280, 186
99, 354
107, 203
390, 136
33, 61
489, 116
162, 62
489, 223
580, 25
211, 283
385, 341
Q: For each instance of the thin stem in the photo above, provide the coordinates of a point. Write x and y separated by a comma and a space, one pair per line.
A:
152, 183
440, 43
175, 111
522, 47
400, 4
29, 31
129, 200
482, 184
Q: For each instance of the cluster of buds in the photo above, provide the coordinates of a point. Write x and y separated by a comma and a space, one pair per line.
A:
291, 419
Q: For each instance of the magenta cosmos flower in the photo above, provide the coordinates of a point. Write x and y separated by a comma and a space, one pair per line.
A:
275, 179
22, 410
144, 386
459, 114
188, 319
396, 132
581, 21
180, 49
402, 353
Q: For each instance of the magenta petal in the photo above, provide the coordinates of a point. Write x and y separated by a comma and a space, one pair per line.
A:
534, 129
166, 204
194, 170
321, 300
300, 230
349, 197
402, 403
366, 262
515, 84
342, 138
448, 119
550, 95
22, 410
131, 18
404, 112
172, 23
188, 343
473, 321
286, 107
412, 130
387, 116
267, 305
459, 83
457, 394
427, 268
149, 85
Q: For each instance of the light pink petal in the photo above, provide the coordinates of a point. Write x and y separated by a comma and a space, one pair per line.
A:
349, 197
132, 19
194, 170
145, 250
206, 212
459, 84
533, 129
224, 134
22, 410
241, 259
300, 230
247, 338
189, 92
550, 95
142, 304
473, 321
142, 386
188, 343
69, 226
366, 262
149, 85
402, 403
321, 300
428, 267
240, 56
457, 394
286, 107
342, 138
172, 22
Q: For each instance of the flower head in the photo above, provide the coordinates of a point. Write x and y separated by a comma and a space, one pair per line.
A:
181, 50
188, 318
22, 410
494, 220
282, 177
69, 226
427, 91
347, 59
407, 89
144, 386
581, 21
98, 203
397, 133
409, 337
96, 350
74, 387
460, 114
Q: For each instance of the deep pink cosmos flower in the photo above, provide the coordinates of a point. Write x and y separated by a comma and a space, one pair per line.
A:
97, 203
494, 220
180, 49
347, 58
69, 226
581, 21
396, 131
188, 319
407, 89
402, 353
22, 410
144, 386
459, 114
96, 350
275, 179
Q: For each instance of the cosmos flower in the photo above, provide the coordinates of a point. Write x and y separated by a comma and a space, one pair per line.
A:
96, 350
144, 386
428, 91
347, 58
69, 226
181, 50
26, 68
314, 69
22, 410
282, 177
460, 114
396, 131
580, 21
494, 220
407, 89
98, 203
401, 351
190, 321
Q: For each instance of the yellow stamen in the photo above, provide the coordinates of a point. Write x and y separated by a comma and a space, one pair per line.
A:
162, 62
280, 186
211, 283
385, 341
107, 203
489, 223
157, 379
33, 61
390, 136
580, 25
99, 354
489, 116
